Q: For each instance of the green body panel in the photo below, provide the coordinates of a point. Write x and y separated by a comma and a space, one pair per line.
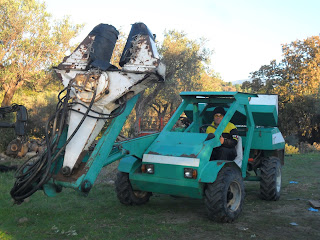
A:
59, 162
178, 187
265, 115
129, 164
50, 189
253, 178
209, 172
137, 146
264, 139
168, 171
178, 144
167, 179
249, 138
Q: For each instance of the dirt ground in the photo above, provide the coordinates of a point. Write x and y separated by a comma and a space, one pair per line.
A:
288, 218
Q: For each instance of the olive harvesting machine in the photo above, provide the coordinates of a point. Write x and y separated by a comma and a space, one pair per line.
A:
173, 161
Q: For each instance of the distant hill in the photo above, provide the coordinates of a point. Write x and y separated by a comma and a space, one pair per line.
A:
240, 81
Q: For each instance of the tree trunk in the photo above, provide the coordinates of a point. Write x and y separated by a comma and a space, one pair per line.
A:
10, 90
139, 113
162, 114
7, 98
141, 106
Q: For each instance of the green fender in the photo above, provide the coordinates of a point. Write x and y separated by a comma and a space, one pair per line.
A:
128, 164
211, 169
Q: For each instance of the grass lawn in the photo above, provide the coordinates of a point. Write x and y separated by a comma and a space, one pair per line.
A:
100, 216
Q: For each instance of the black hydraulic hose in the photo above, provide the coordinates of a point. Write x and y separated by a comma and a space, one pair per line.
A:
77, 128
104, 115
30, 178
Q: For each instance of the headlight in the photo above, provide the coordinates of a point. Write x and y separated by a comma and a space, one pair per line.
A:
147, 168
190, 173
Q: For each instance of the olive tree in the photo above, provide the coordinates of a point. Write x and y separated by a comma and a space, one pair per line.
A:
31, 42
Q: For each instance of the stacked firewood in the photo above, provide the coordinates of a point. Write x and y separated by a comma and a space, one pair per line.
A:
19, 148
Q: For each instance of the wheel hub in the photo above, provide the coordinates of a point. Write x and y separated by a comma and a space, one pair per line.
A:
140, 194
233, 196
278, 180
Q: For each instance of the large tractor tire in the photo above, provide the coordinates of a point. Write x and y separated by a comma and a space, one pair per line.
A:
270, 183
224, 198
126, 194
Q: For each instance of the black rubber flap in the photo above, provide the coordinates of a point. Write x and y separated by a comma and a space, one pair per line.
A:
102, 48
136, 29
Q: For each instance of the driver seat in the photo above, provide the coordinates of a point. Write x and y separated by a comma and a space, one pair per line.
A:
239, 157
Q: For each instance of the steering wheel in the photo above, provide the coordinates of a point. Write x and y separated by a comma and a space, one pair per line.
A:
204, 127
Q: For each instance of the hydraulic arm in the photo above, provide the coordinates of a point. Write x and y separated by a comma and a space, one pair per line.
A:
95, 91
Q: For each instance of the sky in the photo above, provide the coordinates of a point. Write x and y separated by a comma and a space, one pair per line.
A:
244, 35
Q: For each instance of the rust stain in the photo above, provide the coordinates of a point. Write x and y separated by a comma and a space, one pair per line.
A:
76, 173
189, 156
59, 76
219, 163
83, 49
155, 153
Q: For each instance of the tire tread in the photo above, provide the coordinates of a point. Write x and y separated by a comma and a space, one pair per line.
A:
268, 184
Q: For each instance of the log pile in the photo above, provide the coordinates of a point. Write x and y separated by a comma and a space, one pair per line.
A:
19, 148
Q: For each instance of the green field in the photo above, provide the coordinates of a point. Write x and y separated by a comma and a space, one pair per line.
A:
100, 215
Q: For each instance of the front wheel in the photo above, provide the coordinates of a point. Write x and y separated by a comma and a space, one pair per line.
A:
126, 194
270, 183
224, 198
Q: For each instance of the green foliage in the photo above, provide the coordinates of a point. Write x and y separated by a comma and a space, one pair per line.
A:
296, 80
187, 69
40, 107
305, 147
31, 43
4, 236
117, 51
185, 60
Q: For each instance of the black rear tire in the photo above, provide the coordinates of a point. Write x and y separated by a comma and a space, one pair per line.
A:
224, 198
126, 194
270, 183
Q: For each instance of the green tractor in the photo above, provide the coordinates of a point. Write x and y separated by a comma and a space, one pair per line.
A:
175, 161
